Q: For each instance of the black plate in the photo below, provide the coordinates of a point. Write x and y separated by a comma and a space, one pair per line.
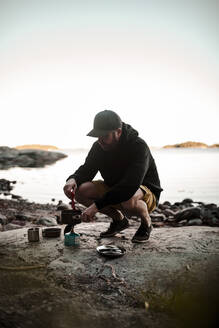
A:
111, 251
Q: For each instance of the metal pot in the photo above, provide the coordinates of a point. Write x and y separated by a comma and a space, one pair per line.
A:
71, 217
51, 232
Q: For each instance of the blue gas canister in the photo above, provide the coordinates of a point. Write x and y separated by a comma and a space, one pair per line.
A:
72, 239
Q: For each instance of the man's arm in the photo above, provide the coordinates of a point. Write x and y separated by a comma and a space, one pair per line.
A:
87, 171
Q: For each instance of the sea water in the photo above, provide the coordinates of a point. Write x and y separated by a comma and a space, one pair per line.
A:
184, 173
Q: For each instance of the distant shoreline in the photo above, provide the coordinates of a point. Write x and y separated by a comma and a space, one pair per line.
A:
187, 144
37, 146
192, 144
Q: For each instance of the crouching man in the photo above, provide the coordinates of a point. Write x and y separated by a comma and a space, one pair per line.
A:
130, 185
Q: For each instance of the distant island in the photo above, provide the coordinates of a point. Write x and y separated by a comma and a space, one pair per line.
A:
192, 144
36, 146
27, 157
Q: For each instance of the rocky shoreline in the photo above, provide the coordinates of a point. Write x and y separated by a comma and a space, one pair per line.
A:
17, 213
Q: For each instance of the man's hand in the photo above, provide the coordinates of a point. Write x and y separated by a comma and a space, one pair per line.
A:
70, 185
88, 214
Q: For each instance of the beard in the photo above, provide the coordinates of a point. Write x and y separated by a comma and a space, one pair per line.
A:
111, 146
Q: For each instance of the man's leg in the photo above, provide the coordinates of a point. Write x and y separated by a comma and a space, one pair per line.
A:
87, 193
137, 206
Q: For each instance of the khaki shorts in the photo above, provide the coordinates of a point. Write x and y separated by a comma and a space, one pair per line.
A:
148, 198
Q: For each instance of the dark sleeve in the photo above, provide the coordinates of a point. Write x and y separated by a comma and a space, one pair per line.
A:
88, 170
131, 180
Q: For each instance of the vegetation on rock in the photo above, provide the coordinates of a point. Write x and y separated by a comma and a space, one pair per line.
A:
37, 146
191, 144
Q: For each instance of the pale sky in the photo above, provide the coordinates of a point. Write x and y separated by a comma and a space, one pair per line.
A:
156, 63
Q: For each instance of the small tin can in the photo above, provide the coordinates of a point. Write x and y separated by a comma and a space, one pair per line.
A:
33, 234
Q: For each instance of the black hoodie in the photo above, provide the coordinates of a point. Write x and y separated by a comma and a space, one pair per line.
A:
124, 168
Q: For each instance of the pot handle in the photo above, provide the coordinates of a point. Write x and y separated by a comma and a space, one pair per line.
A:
72, 199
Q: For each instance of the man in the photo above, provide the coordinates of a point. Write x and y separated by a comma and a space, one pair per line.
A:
130, 185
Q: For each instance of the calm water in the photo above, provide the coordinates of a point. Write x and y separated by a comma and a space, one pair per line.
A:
192, 173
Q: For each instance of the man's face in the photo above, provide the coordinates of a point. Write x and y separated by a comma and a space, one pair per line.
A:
110, 141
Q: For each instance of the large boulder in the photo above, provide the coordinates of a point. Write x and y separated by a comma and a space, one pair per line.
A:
11, 157
188, 213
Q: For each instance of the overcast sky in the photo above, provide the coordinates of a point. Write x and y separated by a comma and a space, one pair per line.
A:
156, 63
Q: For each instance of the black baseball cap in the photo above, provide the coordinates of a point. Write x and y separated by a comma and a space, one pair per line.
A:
104, 122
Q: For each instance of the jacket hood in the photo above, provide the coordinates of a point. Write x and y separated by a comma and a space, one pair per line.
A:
128, 133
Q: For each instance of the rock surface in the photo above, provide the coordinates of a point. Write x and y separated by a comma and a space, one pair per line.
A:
156, 284
11, 157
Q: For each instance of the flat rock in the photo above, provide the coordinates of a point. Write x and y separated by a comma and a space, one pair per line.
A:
168, 249
95, 284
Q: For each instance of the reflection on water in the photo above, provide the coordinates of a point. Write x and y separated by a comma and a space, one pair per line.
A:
184, 173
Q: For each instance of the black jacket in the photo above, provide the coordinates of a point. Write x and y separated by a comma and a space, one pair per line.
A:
124, 169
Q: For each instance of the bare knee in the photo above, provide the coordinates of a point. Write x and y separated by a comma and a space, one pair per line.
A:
129, 205
85, 191
135, 205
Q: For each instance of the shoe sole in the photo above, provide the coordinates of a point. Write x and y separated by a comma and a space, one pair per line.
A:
139, 241
114, 233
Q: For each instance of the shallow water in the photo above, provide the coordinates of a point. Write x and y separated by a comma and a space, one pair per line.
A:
184, 173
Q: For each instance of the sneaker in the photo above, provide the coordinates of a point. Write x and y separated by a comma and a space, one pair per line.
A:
115, 227
142, 234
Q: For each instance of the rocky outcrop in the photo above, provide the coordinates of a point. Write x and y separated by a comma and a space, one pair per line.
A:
214, 146
11, 157
192, 144
36, 146
188, 144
